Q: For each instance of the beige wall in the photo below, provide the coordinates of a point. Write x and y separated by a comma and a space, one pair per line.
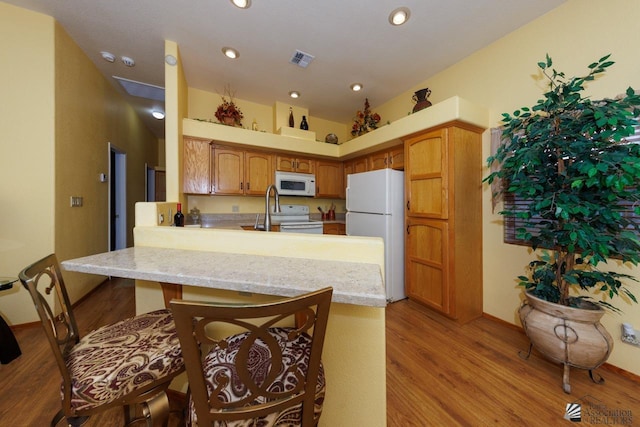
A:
176, 107
26, 149
503, 77
203, 104
59, 115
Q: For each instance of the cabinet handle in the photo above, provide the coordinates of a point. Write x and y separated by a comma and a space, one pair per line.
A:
241, 186
408, 204
248, 186
407, 229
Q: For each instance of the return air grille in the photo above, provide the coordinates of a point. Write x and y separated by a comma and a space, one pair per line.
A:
301, 59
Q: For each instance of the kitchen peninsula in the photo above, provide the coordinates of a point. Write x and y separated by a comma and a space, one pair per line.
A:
244, 266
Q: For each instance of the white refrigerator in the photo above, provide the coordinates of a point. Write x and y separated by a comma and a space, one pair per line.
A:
375, 208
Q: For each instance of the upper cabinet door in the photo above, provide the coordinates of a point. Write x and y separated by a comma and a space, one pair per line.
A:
396, 158
426, 178
305, 165
258, 172
378, 160
228, 171
329, 179
285, 163
197, 163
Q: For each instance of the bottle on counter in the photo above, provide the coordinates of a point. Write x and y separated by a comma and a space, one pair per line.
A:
178, 218
291, 122
303, 124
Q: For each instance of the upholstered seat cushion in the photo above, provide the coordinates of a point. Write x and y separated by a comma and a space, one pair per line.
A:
219, 364
114, 360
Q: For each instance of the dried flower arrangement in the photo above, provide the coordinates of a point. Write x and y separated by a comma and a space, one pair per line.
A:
365, 120
228, 112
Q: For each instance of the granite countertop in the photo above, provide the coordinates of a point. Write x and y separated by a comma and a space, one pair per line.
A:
353, 283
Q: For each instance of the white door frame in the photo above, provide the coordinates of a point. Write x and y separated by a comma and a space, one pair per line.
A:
117, 198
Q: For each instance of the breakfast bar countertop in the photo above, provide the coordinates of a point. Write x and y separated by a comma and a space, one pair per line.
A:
352, 282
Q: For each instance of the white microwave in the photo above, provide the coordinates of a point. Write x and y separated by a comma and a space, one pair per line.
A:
295, 184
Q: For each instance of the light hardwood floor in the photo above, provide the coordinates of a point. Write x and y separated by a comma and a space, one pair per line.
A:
438, 373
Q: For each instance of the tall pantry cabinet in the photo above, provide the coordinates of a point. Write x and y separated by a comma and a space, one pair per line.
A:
443, 253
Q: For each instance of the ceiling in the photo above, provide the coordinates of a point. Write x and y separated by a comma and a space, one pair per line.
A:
351, 40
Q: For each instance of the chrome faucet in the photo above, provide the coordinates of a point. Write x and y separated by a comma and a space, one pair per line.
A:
267, 210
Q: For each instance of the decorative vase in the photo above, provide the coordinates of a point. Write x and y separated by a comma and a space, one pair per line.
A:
229, 121
420, 98
571, 336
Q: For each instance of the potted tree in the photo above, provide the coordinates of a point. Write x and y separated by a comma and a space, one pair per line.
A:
568, 164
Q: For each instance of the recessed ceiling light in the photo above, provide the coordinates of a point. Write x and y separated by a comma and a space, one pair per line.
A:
294, 94
157, 114
108, 56
171, 60
399, 16
230, 52
356, 87
242, 4
129, 62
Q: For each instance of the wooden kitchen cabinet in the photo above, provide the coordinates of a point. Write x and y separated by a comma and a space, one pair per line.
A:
337, 228
329, 179
258, 172
228, 170
241, 172
392, 158
196, 173
443, 218
294, 164
355, 165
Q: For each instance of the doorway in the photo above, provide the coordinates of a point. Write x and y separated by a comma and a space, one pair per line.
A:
117, 198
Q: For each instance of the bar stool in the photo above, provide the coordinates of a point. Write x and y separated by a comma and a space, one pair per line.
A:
264, 373
130, 363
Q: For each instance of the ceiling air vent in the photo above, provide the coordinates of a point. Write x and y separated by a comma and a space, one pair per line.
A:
301, 59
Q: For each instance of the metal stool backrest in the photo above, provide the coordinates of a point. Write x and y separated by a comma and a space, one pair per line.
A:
41, 279
194, 323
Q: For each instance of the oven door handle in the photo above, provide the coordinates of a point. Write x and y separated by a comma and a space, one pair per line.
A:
299, 226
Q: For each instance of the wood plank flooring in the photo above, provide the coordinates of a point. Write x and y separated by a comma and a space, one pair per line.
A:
438, 373
443, 374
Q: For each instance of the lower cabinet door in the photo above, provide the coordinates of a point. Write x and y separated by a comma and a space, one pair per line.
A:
426, 258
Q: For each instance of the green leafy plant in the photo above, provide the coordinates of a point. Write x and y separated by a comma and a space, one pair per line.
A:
568, 158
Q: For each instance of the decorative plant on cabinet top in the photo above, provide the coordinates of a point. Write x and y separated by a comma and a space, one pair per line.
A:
228, 112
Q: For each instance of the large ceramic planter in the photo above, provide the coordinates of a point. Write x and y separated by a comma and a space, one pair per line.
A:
571, 336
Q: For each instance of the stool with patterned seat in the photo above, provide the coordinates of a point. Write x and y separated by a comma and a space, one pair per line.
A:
265, 373
129, 363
